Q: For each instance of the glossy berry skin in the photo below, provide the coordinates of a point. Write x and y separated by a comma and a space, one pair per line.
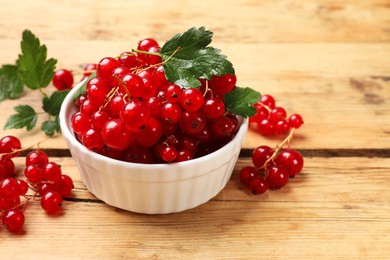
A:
223, 84
277, 177
247, 174
191, 99
170, 112
52, 172
213, 108
9, 188
115, 134
106, 67
260, 155
38, 158
295, 121
63, 79
291, 160
33, 172
9, 144
192, 122
168, 153
258, 185
13, 220
64, 186
80, 123
268, 101
135, 115
51, 202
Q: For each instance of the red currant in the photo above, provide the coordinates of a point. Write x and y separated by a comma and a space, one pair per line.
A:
13, 220
51, 202
63, 79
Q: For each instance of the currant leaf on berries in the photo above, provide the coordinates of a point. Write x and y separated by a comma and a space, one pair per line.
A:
187, 57
240, 101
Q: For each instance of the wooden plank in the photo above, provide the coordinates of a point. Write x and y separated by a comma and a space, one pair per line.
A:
337, 207
251, 21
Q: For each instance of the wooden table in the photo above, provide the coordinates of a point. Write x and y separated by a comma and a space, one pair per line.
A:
328, 60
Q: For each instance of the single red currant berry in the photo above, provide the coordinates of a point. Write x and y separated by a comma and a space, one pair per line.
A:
13, 220
99, 119
191, 99
150, 134
291, 160
64, 186
10, 144
277, 114
295, 121
117, 75
282, 127
138, 154
105, 67
80, 123
260, 155
192, 122
33, 173
9, 188
93, 140
221, 127
115, 134
88, 108
266, 127
63, 79
38, 158
223, 84
44, 188
268, 100
132, 85
258, 185
173, 93
52, 172
188, 143
115, 105
247, 174
146, 44
135, 115
51, 202
168, 153
170, 112
22, 187
213, 108
97, 94
277, 177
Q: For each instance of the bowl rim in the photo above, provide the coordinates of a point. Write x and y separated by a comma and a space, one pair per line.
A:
66, 108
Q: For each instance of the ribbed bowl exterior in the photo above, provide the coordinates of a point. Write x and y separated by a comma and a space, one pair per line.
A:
151, 188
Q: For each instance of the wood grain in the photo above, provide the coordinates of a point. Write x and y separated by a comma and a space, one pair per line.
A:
327, 60
328, 208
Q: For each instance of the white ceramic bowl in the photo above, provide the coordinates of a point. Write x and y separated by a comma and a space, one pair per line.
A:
151, 188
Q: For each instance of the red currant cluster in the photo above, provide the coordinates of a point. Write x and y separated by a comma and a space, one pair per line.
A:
271, 119
43, 177
272, 168
132, 113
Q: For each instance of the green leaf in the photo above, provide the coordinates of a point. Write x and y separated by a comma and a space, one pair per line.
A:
81, 90
187, 58
11, 86
25, 117
34, 70
50, 127
240, 101
52, 104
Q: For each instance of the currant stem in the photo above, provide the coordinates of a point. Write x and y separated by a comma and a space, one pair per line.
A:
278, 147
24, 149
146, 52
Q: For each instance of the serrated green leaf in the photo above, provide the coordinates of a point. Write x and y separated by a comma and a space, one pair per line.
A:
52, 104
240, 101
11, 86
186, 58
25, 117
34, 70
81, 90
50, 127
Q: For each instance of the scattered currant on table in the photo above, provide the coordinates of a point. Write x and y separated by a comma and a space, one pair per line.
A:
272, 167
43, 178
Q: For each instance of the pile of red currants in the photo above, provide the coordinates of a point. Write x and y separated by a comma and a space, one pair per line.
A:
130, 111
43, 178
